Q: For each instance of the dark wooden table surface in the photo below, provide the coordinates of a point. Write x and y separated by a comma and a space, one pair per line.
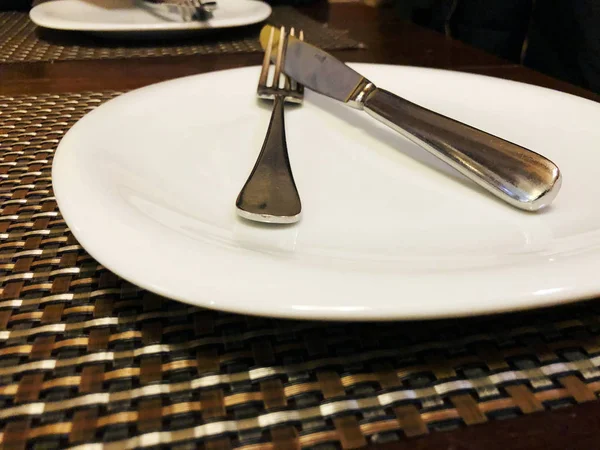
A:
388, 40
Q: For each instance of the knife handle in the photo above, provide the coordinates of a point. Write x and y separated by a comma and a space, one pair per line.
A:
513, 173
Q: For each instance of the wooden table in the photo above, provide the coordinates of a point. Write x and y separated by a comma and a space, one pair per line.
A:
388, 40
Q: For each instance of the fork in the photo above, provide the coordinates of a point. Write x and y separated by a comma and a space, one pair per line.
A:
270, 194
200, 9
187, 10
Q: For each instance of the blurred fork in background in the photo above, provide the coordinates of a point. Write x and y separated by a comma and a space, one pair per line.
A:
186, 10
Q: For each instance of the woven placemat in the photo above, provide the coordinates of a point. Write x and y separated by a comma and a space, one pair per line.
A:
22, 41
86, 357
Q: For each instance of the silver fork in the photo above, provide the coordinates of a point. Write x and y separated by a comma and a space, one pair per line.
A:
196, 9
188, 10
270, 194
200, 9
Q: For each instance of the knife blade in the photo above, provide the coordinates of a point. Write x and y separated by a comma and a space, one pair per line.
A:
519, 176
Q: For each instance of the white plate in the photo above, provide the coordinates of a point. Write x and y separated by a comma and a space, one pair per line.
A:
147, 182
123, 17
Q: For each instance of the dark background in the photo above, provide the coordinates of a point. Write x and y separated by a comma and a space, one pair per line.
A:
560, 38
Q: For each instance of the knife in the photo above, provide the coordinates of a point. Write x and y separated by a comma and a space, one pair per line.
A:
520, 177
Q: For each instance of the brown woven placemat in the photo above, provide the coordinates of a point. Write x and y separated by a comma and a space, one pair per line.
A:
22, 41
86, 357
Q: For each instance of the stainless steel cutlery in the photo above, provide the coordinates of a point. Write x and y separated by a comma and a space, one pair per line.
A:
270, 194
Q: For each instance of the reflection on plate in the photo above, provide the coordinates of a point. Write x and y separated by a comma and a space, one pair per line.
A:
125, 17
148, 182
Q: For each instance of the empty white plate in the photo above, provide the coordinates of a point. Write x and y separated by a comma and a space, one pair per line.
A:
148, 181
125, 17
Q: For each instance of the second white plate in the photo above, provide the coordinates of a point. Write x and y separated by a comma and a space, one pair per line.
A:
147, 182
123, 17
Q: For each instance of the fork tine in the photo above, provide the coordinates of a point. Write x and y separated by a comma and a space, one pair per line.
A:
288, 83
279, 59
191, 10
299, 87
264, 73
186, 10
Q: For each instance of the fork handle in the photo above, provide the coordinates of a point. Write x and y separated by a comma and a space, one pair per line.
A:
270, 195
513, 173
